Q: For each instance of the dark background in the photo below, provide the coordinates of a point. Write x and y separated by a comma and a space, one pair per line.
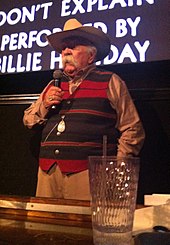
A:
154, 26
149, 85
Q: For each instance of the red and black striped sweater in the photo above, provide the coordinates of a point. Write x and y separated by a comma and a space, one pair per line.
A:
88, 116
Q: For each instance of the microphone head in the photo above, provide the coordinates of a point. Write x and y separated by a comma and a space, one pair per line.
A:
57, 74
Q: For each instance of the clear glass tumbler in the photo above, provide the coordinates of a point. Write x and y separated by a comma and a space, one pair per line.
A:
113, 186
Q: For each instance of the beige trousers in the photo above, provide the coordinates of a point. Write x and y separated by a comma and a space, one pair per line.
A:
55, 184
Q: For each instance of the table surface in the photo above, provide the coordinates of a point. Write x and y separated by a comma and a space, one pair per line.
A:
23, 226
41, 221
21, 232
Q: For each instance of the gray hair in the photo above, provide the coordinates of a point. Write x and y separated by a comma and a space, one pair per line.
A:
92, 49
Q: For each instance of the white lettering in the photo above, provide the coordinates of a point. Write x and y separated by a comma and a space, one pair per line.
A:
65, 7
4, 42
142, 49
28, 64
127, 52
129, 3
22, 38
121, 2
140, 2
36, 61
32, 38
56, 30
16, 12
46, 9
101, 25
122, 29
9, 64
3, 64
26, 13
133, 25
90, 4
101, 6
20, 68
39, 41
3, 16
115, 54
17, 15
55, 58
13, 41
78, 7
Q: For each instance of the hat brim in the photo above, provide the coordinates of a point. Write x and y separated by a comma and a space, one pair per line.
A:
98, 38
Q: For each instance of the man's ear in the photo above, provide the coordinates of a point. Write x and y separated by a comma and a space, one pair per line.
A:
92, 55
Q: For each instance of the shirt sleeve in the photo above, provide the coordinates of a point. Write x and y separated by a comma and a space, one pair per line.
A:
131, 130
36, 113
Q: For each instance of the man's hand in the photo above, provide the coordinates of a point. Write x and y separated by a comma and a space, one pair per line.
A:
53, 96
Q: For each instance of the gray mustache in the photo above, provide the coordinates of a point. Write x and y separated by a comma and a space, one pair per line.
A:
68, 59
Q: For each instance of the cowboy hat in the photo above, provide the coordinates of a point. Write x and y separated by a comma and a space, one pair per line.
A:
73, 28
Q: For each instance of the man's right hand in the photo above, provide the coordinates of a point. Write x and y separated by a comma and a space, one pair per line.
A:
53, 96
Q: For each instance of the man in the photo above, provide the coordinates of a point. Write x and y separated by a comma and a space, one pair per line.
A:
89, 103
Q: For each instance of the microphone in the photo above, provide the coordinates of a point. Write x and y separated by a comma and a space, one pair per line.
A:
57, 75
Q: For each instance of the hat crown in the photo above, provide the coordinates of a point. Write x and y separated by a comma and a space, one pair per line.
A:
71, 24
73, 27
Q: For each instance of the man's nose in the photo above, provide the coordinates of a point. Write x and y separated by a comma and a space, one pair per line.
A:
67, 51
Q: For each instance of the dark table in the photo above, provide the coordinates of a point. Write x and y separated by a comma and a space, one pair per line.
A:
20, 232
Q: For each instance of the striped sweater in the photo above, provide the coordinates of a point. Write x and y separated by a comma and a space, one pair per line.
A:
88, 116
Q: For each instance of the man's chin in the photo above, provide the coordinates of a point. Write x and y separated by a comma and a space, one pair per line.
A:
70, 70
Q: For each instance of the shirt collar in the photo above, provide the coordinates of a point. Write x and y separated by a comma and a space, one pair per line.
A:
80, 76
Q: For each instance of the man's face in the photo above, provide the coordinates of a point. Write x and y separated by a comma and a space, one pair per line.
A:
76, 58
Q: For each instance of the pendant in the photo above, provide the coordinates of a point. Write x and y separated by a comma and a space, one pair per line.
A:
61, 126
